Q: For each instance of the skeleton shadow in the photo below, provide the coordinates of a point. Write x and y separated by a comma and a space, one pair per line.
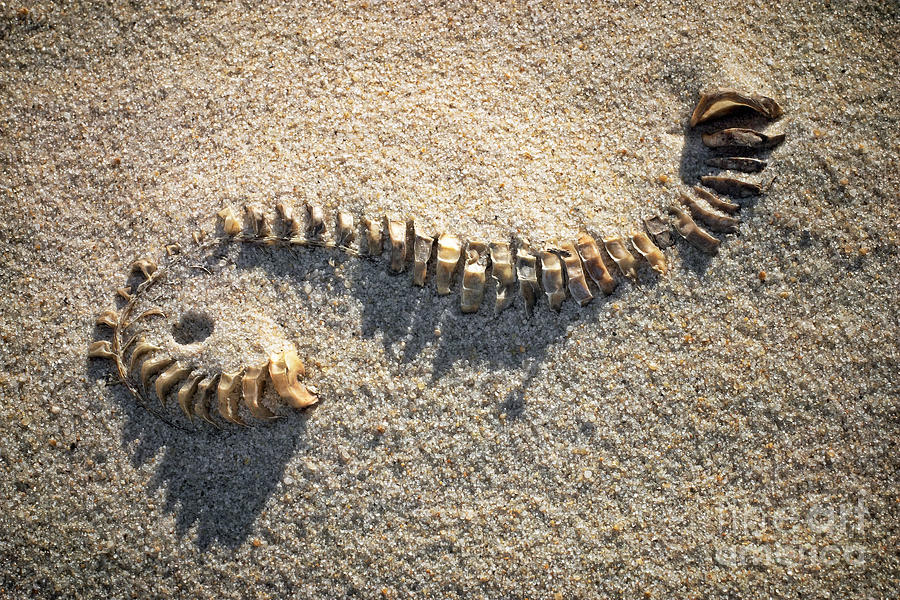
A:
413, 322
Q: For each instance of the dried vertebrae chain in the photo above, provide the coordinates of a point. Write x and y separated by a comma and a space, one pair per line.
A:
575, 268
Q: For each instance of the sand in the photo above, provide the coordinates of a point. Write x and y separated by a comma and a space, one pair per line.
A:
727, 430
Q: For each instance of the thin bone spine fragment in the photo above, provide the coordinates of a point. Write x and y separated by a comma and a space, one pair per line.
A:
625, 260
741, 138
646, 248
503, 273
552, 279
578, 286
473, 277
715, 222
730, 186
722, 101
526, 270
737, 163
693, 233
716, 202
448, 253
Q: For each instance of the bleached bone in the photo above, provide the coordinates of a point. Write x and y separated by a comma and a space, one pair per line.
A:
101, 349
502, 272
186, 393
552, 279
288, 219
737, 163
723, 101
526, 270
625, 260
141, 349
259, 225
205, 391
315, 225
472, 288
741, 138
147, 267
110, 318
230, 224
397, 237
693, 233
715, 201
252, 385
226, 397
152, 366
593, 263
421, 255
169, 378
578, 286
646, 248
715, 222
730, 186
448, 253
345, 231
285, 368
374, 242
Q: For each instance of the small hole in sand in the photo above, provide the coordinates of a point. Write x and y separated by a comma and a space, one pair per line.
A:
192, 328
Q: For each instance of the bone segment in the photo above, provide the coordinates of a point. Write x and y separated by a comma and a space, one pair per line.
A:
693, 233
593, 263
503, 273
578, 286
422, 246
646, 248
552, 279
448, 253
624, 259
397, 237
526, 270
473, 277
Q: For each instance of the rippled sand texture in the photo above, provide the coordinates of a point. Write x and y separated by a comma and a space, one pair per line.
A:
728, 430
